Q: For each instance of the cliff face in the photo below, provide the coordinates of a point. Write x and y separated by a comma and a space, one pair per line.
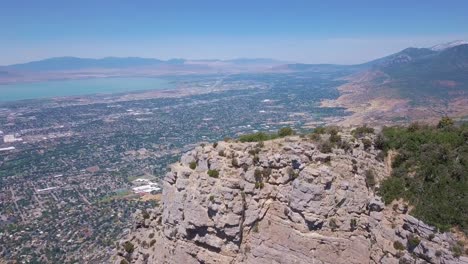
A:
283, 202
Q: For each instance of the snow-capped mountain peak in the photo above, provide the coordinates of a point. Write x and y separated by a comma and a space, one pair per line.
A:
448, 45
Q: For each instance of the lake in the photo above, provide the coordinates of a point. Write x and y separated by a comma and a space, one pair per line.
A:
48, 89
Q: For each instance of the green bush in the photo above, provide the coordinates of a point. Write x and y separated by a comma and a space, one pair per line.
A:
326, 147
370, 179
255, 159
413, 242
367, 143
353, 224
256, 137
398, 245
379, 142
430, 172
392, 189
193, 165
145, 215
213, 173
362, 131
445, 122
319, 130
315, 136
261, 136
285, 131
335, 138
255, 227
332, 224
258, 175
129, 247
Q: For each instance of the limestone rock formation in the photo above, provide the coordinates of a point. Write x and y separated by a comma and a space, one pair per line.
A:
283, 201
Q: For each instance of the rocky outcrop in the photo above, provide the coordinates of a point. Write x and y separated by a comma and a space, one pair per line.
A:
283, 201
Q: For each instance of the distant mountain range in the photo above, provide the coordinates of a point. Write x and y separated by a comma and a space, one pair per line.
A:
74, 63
441, 70
413, 57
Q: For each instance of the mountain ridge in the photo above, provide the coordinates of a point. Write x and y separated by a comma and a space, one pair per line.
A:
78, 63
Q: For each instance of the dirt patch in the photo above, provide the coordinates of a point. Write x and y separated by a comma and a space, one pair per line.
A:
151, 197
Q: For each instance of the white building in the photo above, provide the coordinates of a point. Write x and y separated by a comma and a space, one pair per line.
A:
146, 188
7, 148
10, 138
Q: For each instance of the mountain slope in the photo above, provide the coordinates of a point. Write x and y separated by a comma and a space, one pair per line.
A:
411, 85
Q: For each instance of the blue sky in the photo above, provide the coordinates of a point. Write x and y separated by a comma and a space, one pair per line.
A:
304, 31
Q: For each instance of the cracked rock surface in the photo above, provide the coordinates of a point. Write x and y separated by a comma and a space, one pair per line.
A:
281, 202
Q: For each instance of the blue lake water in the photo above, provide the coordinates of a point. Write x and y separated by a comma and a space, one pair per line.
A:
48, 89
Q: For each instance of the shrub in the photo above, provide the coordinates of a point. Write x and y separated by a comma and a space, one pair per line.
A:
315, 136
367, 143
152, 242
414, 127
259, 185
213, 173
129, 247
361, 131
145, 215
292, 174
325, 147
215, 144
345, 146
370, 179
430, 172
398, 245
123, 261
335, 138
256, 137
391, 189
413, 242
235, 163
151, 235
445, 122
266, 173
221, 153
211, 198
380, 156
379, 142
193, 165
332, 224
285, 131
256, 159
260, 145
255, 227
353, 224
254, 151
319, 130
457, 249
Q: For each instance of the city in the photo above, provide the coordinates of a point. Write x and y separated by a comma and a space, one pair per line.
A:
77, 166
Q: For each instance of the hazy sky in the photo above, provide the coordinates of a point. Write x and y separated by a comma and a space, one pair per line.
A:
305, 31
